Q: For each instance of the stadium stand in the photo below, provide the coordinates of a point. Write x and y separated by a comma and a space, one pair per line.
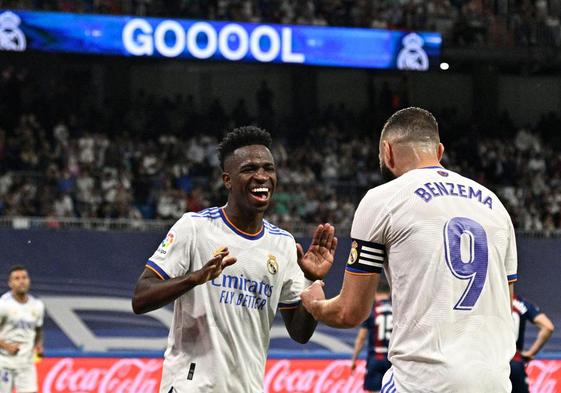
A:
154, 162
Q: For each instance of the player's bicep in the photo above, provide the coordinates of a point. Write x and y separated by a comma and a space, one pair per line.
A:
149, 275
543, 322
288, 314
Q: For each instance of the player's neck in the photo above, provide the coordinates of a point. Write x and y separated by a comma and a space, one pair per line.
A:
419, 164
20, 298
249, 222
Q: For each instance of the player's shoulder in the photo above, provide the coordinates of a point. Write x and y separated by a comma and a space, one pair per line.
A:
496, 203
277, 232
6, 296
211, 213
191, 220
379, 196
35, 300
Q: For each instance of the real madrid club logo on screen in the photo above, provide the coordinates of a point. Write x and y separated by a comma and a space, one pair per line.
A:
11, 36
353, 256
272, 265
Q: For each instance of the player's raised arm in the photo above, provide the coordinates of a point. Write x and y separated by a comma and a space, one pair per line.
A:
315, 264
152, 291
366, 258
344, 310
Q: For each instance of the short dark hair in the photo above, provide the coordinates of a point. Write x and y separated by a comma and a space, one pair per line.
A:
15, 268
383, 286
412, 125
240, 137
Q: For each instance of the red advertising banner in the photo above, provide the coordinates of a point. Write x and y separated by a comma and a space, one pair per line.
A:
138, 375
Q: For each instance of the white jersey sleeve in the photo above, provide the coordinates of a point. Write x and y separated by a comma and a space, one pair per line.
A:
173, 256
511, 260
3, 312
369, 234
293, 284
40, 314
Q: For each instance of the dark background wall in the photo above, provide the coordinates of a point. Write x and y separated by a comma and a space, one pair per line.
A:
101, 263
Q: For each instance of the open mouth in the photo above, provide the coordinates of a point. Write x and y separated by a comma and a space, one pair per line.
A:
260, 193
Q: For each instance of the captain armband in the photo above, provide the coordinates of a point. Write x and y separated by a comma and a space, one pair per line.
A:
366, 257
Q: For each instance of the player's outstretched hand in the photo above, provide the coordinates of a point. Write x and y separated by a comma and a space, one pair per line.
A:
317, 261
214, 267
312, 294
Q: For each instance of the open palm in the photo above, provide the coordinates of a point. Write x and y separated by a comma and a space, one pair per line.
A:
317, 261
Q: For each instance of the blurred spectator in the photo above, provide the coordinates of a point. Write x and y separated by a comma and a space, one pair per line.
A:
72, 167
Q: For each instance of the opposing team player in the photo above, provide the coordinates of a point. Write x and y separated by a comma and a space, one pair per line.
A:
21, 334
448, 248
228, 271
523, 311
378, 328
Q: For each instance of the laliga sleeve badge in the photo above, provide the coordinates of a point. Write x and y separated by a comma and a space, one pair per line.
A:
353, 256
272, 265
167, 243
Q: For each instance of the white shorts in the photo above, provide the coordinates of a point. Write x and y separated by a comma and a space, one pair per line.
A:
388, 382
24, 379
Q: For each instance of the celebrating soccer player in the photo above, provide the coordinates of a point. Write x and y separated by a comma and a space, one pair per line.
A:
229, 270
448, 248
21, 334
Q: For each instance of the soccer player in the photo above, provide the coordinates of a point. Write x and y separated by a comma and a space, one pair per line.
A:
21, 334
229, 270
378, 328
448, 248
522, 311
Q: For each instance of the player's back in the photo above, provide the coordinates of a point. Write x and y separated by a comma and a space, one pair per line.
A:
450, 247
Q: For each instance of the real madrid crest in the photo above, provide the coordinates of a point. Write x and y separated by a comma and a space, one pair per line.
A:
272, 265
353, 256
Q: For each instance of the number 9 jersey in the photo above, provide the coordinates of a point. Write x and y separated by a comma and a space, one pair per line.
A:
448, 247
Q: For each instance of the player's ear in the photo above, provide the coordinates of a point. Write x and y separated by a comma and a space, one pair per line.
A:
387, 154
227, 180
440, 151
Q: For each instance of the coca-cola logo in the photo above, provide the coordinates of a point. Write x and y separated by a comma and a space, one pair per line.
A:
293, 376
120, 376
544, 376
107, 375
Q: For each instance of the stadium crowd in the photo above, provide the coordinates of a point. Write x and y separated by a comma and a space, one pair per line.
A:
159, 159
462, 22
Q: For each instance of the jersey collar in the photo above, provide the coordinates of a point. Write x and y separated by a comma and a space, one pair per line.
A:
239, 232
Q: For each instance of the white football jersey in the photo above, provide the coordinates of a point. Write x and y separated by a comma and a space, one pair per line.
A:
18, 324
219, 337
448, 248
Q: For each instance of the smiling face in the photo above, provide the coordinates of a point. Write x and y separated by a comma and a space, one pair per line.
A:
250, 176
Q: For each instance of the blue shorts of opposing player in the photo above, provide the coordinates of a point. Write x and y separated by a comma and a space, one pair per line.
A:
375, 370
518, 376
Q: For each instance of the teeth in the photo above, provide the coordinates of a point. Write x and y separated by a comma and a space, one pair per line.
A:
261, 189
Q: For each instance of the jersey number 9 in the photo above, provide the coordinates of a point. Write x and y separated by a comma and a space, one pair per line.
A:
465, 248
